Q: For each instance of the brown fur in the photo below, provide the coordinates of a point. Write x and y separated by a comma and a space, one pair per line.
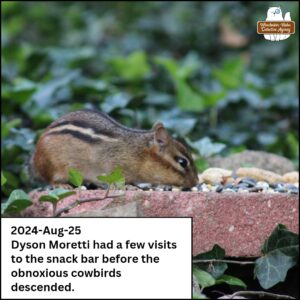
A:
144, 156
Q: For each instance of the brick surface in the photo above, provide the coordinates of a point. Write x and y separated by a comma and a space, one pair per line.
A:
237, 222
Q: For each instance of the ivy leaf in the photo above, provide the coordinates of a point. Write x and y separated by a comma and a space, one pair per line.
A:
132, 67
213, 97
281, 252
3, 179
215, 253
6, 126
75, 177
231, 73
189, 65
12, 183
204, 278
17, 201
72, 58
175, 120
182, 70
112, 102
116, 177
56, 195
182, 126
205, 147
216, 269
199, 296
47, 93
231, 280
184, 91
23, 138
170, 64
282, 239
88, 85
21, 91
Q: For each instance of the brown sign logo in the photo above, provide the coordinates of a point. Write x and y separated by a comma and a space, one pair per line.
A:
278, 27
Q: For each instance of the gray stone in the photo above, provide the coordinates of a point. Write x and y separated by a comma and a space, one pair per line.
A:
144, 186
251, 158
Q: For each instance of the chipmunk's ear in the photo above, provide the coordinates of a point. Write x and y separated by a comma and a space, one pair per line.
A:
161, 135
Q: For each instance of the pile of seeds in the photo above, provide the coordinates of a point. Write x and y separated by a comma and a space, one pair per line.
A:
245, 185
243, 180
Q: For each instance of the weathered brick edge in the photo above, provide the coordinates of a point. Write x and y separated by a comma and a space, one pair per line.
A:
237, 222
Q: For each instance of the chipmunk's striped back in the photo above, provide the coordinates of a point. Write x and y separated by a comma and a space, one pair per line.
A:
94, 143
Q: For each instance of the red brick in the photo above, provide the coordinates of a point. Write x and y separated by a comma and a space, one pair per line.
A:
237, 222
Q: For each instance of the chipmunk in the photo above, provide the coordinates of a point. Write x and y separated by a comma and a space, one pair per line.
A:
94, 144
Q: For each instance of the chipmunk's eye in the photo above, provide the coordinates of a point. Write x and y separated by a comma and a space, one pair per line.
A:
182, 161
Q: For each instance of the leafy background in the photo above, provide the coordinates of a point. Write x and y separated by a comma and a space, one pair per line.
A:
198, 67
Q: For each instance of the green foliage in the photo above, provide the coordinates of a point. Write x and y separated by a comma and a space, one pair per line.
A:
142, 63
231, 280
116, 101
115, 178
231, 73
201, 164
17, 201
204, 278
21, 138
3, 179
12, 183
7, 126
294, 147
212, 273
216, 269
184, 91
75, 177
201, 296
132, 67
206, 148
281, 251
56, 195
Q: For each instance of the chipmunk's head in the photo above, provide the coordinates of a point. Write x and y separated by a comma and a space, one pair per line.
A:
172, 162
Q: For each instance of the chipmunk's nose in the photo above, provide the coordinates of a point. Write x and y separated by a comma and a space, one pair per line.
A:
191, 181
196, 180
